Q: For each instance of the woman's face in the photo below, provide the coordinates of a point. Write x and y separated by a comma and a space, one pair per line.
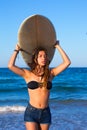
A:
42, 58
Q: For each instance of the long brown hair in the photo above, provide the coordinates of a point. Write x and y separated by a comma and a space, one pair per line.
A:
35, 67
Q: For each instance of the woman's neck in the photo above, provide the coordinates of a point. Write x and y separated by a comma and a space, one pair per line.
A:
39, 71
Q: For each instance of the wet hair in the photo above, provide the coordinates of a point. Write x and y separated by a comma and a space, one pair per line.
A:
34, 64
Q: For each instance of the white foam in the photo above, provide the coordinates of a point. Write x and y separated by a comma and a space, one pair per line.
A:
12, 109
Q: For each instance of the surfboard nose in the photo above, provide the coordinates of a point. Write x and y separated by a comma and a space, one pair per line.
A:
36, 31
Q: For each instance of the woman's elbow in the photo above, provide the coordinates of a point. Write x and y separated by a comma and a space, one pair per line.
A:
10, 66
68, 63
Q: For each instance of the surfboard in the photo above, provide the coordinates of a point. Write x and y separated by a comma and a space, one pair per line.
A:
36, 31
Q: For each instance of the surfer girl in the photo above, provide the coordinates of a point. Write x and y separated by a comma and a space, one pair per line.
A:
38, 78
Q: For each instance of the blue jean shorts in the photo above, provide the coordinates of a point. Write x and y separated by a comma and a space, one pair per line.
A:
41, 116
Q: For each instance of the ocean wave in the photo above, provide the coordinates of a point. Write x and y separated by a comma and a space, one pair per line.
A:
3, 89
13, 100
7, 80
69, 88
21, 108
12, 109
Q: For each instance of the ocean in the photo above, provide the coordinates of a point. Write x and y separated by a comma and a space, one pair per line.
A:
68, 100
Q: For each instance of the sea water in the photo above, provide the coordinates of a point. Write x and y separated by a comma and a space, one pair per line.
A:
68, 100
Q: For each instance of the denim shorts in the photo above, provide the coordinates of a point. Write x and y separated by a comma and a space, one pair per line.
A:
41, 116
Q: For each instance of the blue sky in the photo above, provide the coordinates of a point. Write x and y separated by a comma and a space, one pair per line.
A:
69, 18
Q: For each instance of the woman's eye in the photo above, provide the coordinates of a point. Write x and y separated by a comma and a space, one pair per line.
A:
40, 56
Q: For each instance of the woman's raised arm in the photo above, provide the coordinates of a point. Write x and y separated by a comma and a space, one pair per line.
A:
66, 61
11, 63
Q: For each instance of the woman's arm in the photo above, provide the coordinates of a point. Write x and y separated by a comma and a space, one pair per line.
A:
11, 64
66, 61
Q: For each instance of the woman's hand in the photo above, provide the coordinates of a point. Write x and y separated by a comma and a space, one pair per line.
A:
17, 47
56, 44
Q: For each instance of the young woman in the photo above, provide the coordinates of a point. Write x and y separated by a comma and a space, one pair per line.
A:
39, 82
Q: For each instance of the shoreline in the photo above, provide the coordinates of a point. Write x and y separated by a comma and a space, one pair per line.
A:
58, 103
65, 116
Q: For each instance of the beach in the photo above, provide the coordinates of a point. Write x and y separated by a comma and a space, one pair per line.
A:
68, 100
70, 115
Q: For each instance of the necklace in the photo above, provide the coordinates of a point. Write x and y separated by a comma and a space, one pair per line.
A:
40, 78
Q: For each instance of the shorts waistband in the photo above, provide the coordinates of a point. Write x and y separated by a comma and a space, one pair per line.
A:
35, 108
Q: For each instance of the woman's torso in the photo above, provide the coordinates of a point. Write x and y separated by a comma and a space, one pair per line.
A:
39, 95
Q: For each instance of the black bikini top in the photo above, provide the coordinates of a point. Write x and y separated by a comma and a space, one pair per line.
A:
35, 85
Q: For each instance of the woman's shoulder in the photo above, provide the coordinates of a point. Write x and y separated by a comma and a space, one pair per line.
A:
27, 71
28, 74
